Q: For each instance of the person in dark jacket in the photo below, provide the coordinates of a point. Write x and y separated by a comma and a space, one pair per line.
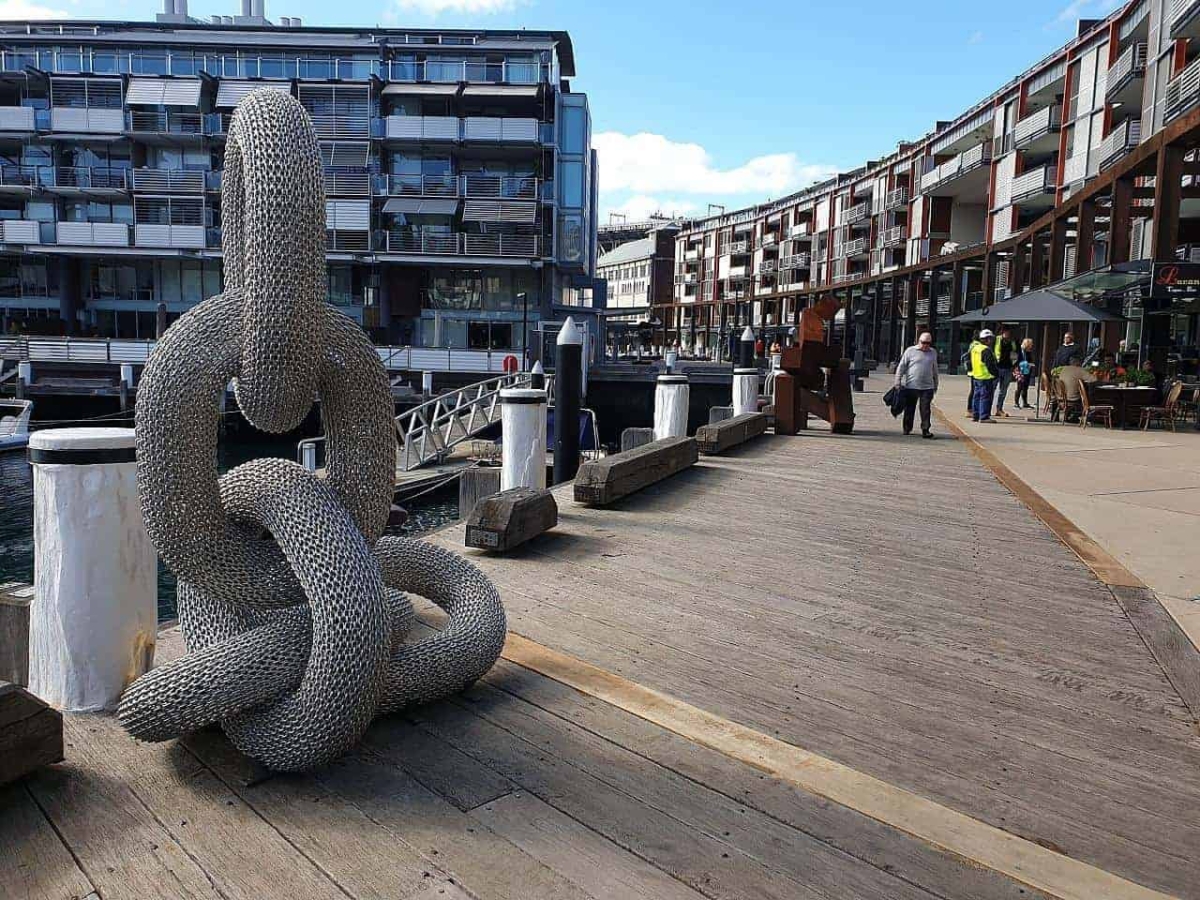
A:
1004, 350
1062, 356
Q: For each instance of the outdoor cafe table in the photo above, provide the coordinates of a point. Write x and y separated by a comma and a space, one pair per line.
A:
1127, 401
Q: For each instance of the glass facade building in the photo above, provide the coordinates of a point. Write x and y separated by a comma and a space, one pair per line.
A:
460, 178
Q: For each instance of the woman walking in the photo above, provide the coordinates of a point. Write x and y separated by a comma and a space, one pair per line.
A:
1025, 371
917, 378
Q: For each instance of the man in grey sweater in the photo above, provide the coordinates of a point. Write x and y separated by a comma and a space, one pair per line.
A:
917, 377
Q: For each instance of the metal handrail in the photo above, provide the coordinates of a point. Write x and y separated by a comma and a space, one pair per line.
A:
427, 432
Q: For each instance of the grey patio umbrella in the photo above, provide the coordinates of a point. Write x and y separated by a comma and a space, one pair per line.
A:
1039, 306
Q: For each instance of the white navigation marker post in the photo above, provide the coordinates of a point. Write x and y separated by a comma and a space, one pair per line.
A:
568, 398
745, 376
671, 397
523, 437
94, 616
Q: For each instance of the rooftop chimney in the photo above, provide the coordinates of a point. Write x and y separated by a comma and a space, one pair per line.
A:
246, 8
181, 8
258, 9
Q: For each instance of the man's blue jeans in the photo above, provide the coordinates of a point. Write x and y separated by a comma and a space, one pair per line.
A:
1003, 380
985, 390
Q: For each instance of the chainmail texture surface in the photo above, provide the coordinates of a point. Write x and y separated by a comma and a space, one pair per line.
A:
290, 601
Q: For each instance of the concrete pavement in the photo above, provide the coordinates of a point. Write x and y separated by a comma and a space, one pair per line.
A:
1135, 493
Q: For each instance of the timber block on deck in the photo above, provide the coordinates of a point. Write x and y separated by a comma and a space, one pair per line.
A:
508, 519
14, 632
31, 733
712, 439
603, 481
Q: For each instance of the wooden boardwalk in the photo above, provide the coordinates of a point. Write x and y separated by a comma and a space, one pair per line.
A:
882, 603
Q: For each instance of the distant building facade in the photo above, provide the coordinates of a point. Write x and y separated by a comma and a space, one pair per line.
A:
459, 171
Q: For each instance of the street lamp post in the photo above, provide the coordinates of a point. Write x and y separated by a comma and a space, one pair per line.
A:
524, 329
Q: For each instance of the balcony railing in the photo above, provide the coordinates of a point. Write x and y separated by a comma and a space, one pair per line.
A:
795, 261
418, 186
454, 244
1181, 14
737, 248
341, 127
855, 214
508, 187
86, 120
1129, 65
85, 178
475, 72
347, 241
20, 231
1033, 183
27, 178
1119, 141
685, 278
163, 121
1183, 91
16, 118
856, 247
893, 237
525, 245
182, 236
800, 231
348, 184
967, 161
422, 128
1041, 123
691, 255
767, 240
895, 199
493, 129
168, 181
92, 234
766, 266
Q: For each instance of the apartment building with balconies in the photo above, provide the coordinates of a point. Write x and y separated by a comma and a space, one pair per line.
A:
1051, 175
459, 174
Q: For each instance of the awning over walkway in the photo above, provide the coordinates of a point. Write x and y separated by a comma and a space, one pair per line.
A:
1039, 306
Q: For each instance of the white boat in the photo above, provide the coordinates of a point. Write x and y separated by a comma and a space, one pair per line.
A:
14, 424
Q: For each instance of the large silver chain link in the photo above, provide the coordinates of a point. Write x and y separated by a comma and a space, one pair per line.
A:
290, 601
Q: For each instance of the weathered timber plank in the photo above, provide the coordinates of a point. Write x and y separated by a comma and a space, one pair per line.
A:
485, 864
594, 863
14, 632
34, 863
31, 733
149, 820
721, 436
1173, 649
703, 839
841, 827
606, 480
365, 861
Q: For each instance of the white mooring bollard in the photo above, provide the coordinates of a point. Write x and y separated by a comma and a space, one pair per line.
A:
94, 617
427, 383
671, 397
25, 372
745, 391
127, 375
523, 436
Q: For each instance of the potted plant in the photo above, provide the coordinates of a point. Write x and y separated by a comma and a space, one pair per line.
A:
1137, 378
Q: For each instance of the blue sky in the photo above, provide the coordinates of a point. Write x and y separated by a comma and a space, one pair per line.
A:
729, 102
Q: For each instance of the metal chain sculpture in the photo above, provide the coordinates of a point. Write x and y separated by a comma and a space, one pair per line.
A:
290, 601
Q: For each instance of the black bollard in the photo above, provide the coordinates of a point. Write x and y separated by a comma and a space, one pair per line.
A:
568, 390
746, 350
537, 376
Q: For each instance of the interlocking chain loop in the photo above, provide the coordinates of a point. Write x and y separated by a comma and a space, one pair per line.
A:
291, 603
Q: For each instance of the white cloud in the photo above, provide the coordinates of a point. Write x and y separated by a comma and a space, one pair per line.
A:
22, 9
1086, 9
640, 207
650, 163
472, 7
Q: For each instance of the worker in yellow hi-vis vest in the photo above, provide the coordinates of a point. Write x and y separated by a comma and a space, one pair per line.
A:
984, 372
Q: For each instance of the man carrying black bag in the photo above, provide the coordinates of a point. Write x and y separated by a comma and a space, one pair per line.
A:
917, 382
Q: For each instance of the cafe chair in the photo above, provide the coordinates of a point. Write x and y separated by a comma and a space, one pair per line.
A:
1062, 405
1169, 413
1047, 389
1088, 411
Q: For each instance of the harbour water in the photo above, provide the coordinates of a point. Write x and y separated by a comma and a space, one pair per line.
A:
16, 512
